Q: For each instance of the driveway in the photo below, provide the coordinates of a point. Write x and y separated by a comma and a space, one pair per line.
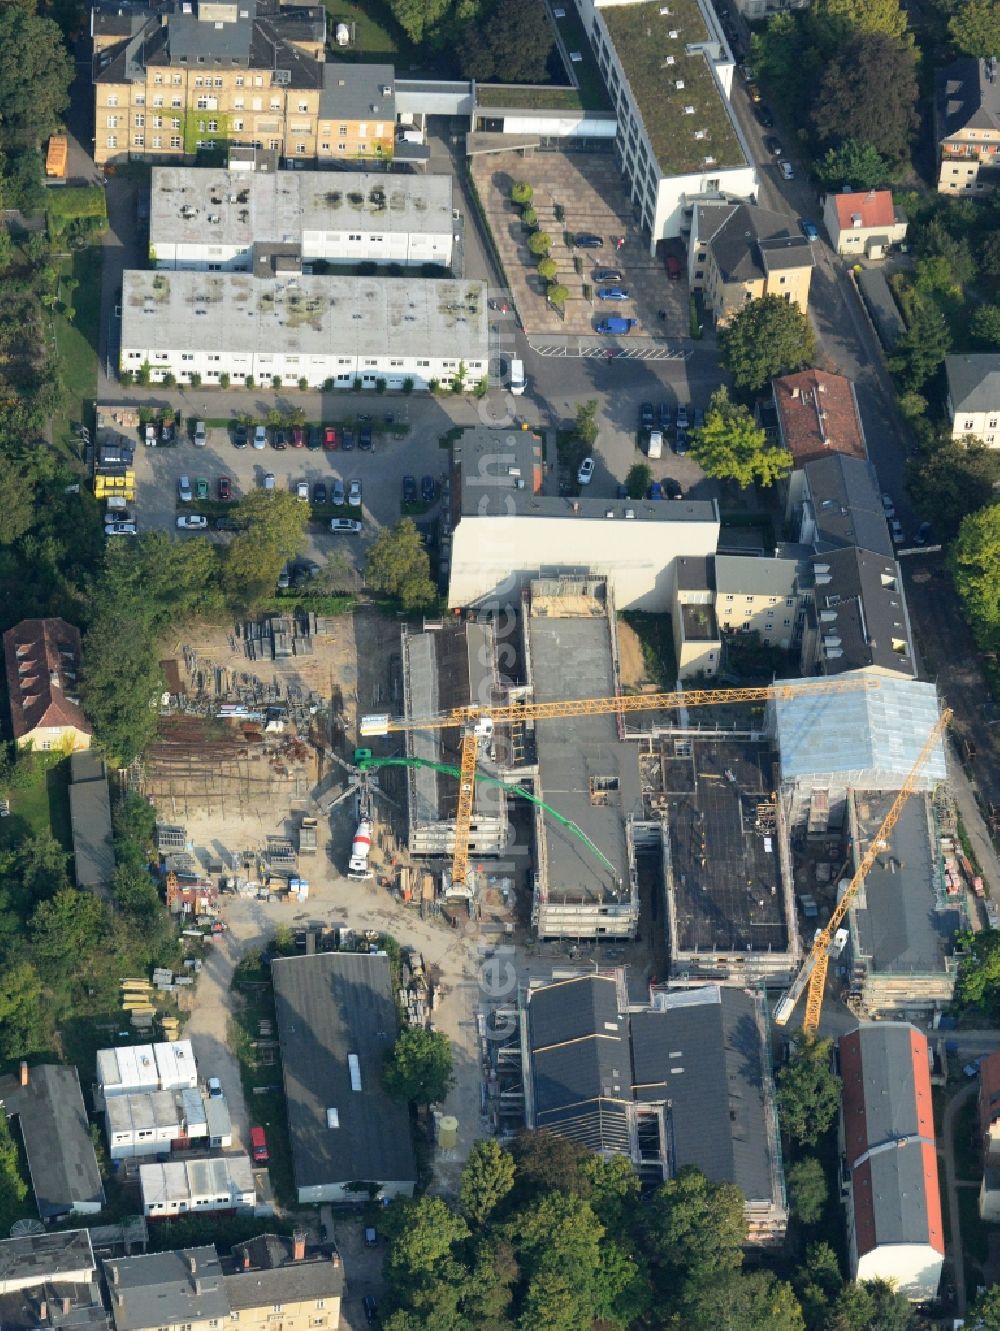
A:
208, 1030
954, 1215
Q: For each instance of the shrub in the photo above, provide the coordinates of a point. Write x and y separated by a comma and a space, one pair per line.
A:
357, 385
126, 378
328, 385
303, 383
275, 380
408, 384
522, 192
224, 380
380, 385
559, 211
142, 374
577, 265
558, 295
248, 382
540, 243
547, 268
195, 379
169, 380
433, 385
529, 217
483, 387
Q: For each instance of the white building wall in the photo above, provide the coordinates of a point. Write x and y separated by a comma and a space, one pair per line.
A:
492, 557
982, 425
199, 258
914, 1268
561, 127
341, 1192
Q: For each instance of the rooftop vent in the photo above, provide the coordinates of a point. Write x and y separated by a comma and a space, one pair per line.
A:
689, 110
665, 10
333, 1118
855, 219
354, 1067
669, 60
708, 161
679, 84
673, 34
386, 90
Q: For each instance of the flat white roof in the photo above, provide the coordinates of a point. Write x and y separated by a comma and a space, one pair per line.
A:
318, 316
175, 1064
192, 205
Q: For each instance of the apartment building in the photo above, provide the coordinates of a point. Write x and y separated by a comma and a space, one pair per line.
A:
181, 1290
759, 595
864, 223
173, 78
739, 252
42, 658
669, 73
974, 397
967, 119
271, 1274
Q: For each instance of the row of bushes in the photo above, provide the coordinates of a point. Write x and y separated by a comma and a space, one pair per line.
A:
539, 243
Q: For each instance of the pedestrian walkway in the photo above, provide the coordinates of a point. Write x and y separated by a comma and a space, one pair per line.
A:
599, 349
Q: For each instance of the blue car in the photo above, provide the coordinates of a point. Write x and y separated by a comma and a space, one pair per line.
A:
612, 293
809, 229
656, 490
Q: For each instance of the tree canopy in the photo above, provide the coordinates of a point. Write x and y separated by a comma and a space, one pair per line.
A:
847, 18
418, 1067
808, 1092
743, 1301
269, 527
807, 1189
869, 93
730, 446
975, 27
398, 564
35, 73
853, 163
509, 41
487, 1178
975, 564
978, 982
696, 1228
767, 337
984, 1314
949, 480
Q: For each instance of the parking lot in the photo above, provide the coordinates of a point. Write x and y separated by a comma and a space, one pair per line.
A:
575, 193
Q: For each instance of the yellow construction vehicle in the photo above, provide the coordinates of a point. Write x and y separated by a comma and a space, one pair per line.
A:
477, 724
816, 964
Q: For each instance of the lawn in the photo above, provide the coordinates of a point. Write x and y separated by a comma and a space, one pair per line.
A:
655, 633
76, 342
376, 34
43, 806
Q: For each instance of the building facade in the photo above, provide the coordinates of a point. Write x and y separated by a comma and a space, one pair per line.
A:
272, 1275
739, 252
173, 78
974, 397
42, 658
967, 118
863, 224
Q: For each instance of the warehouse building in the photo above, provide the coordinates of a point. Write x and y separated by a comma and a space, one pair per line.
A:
681, 1081
446, 666
320, 330
90, 821
511, 524
210, 218
336, 1017
585, 886
889, 1152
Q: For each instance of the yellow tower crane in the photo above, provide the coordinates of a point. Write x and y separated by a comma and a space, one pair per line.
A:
478, 722
816, 964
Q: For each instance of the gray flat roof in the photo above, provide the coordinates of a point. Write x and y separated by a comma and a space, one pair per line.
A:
329, 1006
57, 1142
362, 316
901, 923
571, 657
494, 463
37, 1258
212, 206
751, 575
93, 844
355, 91
165, 1288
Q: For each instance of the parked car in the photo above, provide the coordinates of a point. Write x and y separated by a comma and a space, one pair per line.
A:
305, 568
269, 480
240, 435
586, 472
167, 432
365, 441
896, 531
280, 440
200, 434
298, 437
773, 146
646, 416
370, 1307
428, 489
809, 229
224, 524
673, 267
184, 489
586, 240
665, 416
329, 437
149, 434
315, 438
787, 170
681, 444
354, 494
337, 494
347, 440
612, 293
697, 418
409, 489
764, 116
345, 526
682, 416
192, 522
302, 490
121, 528
672, 488
225, 489
608, 275
924, 535
753, 92
319, 492
201, 488
284, 579
614, 326
655, 490
260, 436
888, 507
258, 1146
214, 1088
371, 1236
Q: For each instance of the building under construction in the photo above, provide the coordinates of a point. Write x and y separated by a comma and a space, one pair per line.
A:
449, 665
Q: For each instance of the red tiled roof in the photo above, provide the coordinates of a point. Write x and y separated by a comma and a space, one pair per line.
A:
43, 658
865, 1235
874, 208
817, 416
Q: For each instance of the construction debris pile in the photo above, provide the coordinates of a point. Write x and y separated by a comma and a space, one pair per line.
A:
278, 636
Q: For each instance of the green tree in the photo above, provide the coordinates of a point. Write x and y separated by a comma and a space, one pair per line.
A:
984, 1314
985, 325
979, 970
418, 18
871, 1305
767, 337
844, 19
638, 480
975, 27
547, 269
989, 254
419, 1066
556, 294
695, 1229
613, 1190
398, 564
808, 1092
487, 1178
269, 528
921, 349
529, 218
738, 1301
949, 480
540, 242
730, 446
510, 41
120, 673
869, 93
975, 564
22, 1024
817, 1282
852, 163
521, 192
35, 74
66, 932
13, 1188
807, 1188
487, 1290
546, 1163
585, 427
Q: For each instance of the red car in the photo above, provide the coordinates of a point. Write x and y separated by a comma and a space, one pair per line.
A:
329, 437
673, 266
298, 437
258, 1144
225, 489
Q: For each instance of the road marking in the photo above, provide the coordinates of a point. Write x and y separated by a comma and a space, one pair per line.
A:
600, 352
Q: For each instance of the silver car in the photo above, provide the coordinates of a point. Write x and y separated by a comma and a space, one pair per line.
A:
354, 494
260, 436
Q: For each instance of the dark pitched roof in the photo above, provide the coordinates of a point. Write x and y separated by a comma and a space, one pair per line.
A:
746, 241
93, 842
37, 1258
166, 1288
263, 1272
968, 96
43, 660
847, 505
57, 1142
329, 1006
861, 608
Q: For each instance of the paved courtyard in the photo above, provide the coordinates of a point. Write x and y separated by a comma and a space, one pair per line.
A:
588, 189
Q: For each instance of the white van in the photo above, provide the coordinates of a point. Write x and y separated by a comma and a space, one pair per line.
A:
655, 449
518, 383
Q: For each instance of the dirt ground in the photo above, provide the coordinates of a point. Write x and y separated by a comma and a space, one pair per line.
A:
631, 666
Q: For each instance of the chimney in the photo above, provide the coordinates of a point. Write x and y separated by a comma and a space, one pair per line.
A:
120, 1298
795, 391
192, 1262
113, 1273
43, 1310
67, 1304
246, 1259
298, 1245
23, 1072
335, 1261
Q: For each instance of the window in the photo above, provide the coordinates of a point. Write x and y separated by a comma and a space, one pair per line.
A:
175, 122
157, 78
157, 141
274, 144
157, 122
157, 101
321, 1303
789, 600
202, 104
113, 100
138, 141
238, 103
787, 622
303, 106
276, 1308
239, 80
112, 140
217, 83
300, 148
324, 147
341, 147
237, 125
175, 141
275, 103
175, 102
258, 80
140, 99
177, 80
112, 122
361, 147
342, 130
187, 355
213, 127
139, 122
199, 81
993, 423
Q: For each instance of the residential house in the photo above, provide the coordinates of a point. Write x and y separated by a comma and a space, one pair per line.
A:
49, 1282
967, 125
90, 821
863, 224
834, 503
48, 1104
304, 1281
697, 641
889, 1154
43, 680
336, 1018
762, 595
989, 1136
173, 78
740, 252
168, 1291
817, 414
974, 397
683, 1080
856, 615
